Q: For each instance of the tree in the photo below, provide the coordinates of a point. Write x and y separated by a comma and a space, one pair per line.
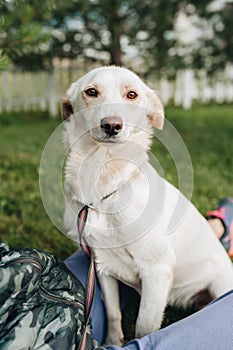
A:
108, 22
223, 39
21, 30
90, 28
211, 45
109, 31
159, 44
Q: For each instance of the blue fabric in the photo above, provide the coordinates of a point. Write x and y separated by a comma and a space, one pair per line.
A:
209, 329
78, 264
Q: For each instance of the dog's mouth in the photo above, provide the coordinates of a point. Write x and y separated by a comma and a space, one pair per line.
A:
98, 135
109, 139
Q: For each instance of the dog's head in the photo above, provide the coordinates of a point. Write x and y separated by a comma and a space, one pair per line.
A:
111, 103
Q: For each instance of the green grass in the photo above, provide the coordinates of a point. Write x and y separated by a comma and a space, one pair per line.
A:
207, 132
23, 220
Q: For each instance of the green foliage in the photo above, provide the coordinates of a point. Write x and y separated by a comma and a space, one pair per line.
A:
223, 40
33, 33
22, 30
162, 49
3, 61
207, 132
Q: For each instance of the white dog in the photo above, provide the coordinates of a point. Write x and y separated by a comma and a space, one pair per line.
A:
109, 115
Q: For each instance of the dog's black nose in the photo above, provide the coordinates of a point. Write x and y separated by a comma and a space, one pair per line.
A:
111, 125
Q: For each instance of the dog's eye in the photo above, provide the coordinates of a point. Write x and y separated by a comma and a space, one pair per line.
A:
91, 92
132, 95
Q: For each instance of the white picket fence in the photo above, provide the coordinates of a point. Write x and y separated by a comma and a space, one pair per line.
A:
26, 91
190, 86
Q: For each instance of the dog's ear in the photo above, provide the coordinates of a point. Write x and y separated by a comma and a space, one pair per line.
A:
155, 110
66, 108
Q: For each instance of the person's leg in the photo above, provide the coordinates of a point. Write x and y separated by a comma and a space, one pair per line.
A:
221, 221
217, 226
210, 328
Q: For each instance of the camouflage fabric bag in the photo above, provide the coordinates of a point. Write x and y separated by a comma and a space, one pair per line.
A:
41, 303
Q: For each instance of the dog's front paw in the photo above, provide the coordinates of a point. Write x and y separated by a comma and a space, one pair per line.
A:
143, 327
114, 339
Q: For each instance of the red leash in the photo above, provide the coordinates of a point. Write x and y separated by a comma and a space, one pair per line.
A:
90, 282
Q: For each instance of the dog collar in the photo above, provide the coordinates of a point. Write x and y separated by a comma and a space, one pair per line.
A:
92, 205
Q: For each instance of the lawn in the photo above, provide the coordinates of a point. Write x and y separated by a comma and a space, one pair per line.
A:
23, 220
206, 131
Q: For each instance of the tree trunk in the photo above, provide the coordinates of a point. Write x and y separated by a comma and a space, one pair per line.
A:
116, 57
115, 50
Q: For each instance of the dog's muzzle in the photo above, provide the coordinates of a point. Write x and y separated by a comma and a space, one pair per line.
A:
111, 125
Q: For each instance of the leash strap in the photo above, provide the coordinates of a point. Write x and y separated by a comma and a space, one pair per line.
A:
90, 281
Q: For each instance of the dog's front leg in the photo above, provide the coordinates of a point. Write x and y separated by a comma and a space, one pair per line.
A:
155, 288
110, 292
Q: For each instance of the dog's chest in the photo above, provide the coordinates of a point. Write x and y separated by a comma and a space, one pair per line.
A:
120, 264
97, 175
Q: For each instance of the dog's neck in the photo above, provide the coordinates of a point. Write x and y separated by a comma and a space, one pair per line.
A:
93, 176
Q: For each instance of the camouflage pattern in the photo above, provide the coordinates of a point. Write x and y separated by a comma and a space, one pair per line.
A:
41, 303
